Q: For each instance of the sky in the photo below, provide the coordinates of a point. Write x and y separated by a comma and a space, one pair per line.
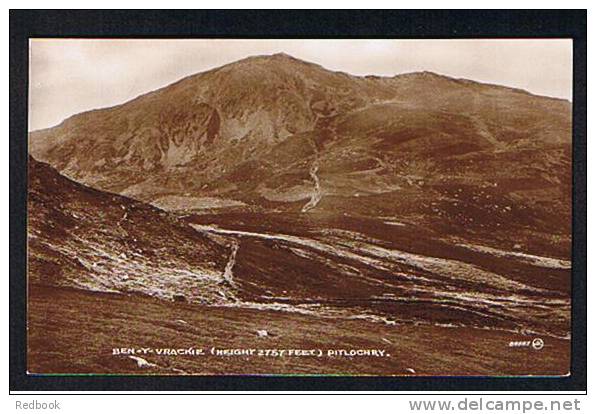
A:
68, 76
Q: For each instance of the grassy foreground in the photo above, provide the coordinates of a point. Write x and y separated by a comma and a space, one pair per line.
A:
72, 331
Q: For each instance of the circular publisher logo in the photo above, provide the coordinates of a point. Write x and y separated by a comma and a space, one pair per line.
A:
537, 343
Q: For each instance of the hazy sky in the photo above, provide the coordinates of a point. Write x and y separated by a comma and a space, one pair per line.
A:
68, 76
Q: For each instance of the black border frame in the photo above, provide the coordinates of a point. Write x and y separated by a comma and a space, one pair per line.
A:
289, 24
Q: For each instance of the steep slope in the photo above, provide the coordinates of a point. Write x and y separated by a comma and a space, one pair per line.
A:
84, 238
239, 108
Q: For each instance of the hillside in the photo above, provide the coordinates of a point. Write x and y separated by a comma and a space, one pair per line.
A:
109, 272
86, 239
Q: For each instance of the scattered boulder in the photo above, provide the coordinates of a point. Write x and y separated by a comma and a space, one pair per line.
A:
142, 363
179, 298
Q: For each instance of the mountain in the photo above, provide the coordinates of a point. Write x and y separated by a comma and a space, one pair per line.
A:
273, 133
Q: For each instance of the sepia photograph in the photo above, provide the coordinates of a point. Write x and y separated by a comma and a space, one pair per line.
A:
355, 207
